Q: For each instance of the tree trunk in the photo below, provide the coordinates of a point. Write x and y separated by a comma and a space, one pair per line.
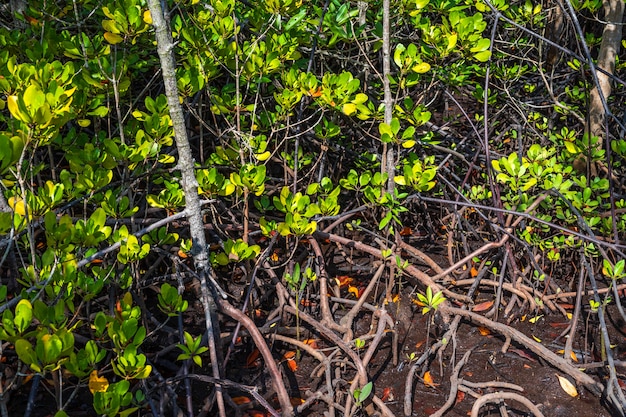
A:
609, 48
200, 251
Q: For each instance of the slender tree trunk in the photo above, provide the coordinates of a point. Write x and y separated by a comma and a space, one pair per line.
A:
388, 162
609, 48
200, 251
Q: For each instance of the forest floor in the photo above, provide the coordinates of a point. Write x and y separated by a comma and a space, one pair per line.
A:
487, 369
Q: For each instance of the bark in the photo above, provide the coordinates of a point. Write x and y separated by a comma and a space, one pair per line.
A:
609, 48
554, 32
388, 153
200, 251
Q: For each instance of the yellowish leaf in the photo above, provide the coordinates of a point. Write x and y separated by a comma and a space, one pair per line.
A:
97, 384
567, 386
349, 109
421, 68
147, 17
263, 156
354, 290
18, 206
112, 38
536, 339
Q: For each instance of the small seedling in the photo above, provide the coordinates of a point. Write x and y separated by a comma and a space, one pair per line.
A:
361, 394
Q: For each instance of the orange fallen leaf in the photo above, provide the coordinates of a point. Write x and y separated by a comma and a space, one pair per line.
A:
311, 342
417, 302
307, 303
571, 354
343, 280
460, 396
428, 380
292, 365
420, 344
354, 290
387, 394
296, 401
241, 400
252, 357
484, 306
473, 272
484, 331
406, 231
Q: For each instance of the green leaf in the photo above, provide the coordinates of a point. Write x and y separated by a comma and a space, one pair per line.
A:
365, 392
23, 315
26, 353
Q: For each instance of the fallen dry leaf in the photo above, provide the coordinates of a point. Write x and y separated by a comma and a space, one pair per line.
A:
354, 290
292, 365
484, 331
460, 396
387, 394
343, 280
241, 400
251, 361
428, 380
311, 342
567, 386
484, 306
406, 231
296, 401
571, 354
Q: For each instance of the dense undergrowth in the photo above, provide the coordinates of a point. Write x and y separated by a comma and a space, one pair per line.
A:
299, 173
